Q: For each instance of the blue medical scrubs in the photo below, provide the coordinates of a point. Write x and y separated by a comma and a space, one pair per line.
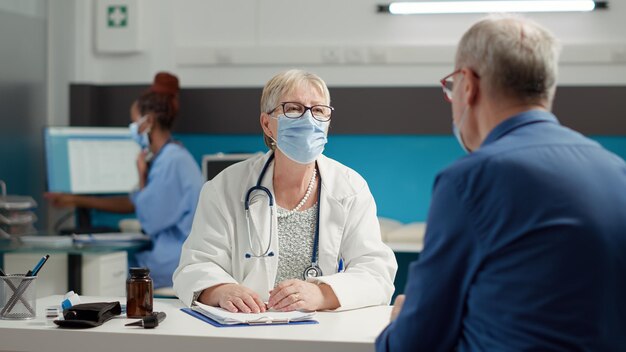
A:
525, 248
165, 208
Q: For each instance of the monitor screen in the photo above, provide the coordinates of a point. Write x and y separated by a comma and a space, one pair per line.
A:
90, 160
213, 164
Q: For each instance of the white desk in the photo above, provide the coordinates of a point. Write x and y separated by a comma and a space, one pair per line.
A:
353, 330
405, 247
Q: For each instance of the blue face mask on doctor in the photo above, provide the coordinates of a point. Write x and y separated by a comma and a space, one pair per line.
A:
141, 138
302, 139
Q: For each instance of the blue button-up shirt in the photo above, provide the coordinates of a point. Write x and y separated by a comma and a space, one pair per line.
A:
525, 248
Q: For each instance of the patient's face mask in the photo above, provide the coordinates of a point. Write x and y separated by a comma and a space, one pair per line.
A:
457, 130
303, 139
141, 138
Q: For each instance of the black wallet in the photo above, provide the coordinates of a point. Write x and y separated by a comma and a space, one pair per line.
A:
89, 315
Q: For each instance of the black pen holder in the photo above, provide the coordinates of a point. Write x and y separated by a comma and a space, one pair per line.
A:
18, 297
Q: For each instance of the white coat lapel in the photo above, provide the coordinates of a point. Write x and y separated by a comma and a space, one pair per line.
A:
259, 210
260, 220
332, 219
261, 272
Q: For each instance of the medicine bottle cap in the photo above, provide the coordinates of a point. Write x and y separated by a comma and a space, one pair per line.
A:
139, 272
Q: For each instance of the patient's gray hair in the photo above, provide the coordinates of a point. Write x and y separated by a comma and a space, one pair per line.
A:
285, 83
513, 56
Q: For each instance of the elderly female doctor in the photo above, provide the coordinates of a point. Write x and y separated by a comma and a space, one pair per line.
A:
275, 227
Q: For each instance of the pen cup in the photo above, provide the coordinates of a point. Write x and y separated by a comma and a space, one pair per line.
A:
18, 297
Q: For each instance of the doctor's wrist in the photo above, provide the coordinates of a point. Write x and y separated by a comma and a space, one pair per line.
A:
211, 296
330, 301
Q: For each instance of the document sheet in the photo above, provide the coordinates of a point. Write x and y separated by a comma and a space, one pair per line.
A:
225, 317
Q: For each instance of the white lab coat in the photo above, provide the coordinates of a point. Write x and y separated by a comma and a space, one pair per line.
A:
214, 252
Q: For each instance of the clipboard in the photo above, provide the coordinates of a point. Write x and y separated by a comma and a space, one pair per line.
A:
264, 323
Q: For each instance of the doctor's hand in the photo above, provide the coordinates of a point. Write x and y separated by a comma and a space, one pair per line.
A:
397, 307
301, 295
233, 297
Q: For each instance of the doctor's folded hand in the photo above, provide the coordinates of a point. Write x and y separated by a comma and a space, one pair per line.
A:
301, 295
234, 298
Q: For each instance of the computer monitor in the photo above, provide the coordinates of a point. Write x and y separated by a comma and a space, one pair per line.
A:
90, 160
213, 164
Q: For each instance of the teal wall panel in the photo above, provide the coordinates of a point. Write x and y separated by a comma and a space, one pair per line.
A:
400, 170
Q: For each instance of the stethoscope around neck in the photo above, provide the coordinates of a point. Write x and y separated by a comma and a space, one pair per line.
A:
312, 270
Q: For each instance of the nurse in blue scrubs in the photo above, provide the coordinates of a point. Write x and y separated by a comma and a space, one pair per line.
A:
169, 182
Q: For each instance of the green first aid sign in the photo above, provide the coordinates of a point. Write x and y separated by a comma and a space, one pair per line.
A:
117, 16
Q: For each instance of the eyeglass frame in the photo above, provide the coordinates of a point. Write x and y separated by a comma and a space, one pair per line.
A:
305, 109
443, 81
448, 96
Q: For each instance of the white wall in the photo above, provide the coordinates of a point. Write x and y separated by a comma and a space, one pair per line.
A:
23, 97
346, 42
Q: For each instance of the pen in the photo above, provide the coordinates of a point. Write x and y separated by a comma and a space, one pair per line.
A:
37, 267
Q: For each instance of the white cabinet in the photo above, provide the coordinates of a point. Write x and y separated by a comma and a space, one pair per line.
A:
102, 274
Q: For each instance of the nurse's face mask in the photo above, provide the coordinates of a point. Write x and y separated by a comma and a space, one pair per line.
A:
141, 138
302, 131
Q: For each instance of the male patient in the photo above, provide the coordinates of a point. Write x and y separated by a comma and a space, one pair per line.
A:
526, 239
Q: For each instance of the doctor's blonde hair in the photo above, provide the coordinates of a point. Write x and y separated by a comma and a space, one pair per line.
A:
283, 84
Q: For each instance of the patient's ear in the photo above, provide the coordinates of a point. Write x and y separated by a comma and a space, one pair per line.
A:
471, 86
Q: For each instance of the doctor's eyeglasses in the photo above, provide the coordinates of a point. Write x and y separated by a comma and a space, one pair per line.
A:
294, 110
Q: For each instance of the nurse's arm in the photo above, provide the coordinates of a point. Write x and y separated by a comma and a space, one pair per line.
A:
117, 204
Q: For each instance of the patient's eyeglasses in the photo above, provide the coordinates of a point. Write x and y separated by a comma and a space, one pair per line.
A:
447, 83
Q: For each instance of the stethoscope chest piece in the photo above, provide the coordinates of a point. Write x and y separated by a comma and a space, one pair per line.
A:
312, 271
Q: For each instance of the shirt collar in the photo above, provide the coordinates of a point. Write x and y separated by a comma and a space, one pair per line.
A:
519, 120
151, 162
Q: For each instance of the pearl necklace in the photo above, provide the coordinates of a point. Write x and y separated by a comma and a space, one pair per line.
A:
309, 189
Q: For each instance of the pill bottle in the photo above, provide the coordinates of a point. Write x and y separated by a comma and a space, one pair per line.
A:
139, 293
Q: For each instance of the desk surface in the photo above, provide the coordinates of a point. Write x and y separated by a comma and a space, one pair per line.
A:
405, 247
353, 330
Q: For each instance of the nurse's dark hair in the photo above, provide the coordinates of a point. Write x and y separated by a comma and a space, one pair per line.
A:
163, 106
161, 99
